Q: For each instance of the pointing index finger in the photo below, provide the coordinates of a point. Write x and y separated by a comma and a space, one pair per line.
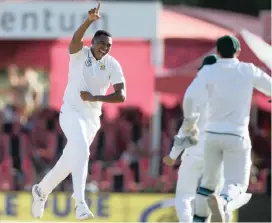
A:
98, 6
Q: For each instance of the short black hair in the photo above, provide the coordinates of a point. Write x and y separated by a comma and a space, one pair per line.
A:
102, 33
228, 46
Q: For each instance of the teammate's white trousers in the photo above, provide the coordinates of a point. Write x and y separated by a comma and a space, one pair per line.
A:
235, 153
189, 175
79, 133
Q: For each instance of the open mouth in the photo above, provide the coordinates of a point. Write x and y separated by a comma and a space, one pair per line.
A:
102, 51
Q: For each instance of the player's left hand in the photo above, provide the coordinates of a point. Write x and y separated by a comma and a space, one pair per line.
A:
87, 96
189, 125
168, 161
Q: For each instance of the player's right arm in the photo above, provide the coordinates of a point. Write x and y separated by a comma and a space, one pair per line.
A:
76, 43
195, 95
262, 81
191, 101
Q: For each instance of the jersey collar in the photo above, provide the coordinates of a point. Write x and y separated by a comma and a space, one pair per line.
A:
227, 60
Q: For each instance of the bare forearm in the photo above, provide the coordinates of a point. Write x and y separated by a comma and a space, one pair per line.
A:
78, 35
111, 98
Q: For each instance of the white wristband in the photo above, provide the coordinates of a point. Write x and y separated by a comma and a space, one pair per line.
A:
174, 153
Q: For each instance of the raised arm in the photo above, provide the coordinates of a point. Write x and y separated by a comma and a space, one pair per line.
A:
76, 43
262, 81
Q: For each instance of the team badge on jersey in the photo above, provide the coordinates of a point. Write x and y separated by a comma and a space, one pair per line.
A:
88, 62
102, 67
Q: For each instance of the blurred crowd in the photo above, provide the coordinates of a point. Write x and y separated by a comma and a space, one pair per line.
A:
31, 141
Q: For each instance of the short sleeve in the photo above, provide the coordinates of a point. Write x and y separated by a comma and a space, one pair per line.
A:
80, 54
116, 75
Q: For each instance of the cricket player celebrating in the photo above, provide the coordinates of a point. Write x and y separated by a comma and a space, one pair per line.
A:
191, 168
228, 86
91, 71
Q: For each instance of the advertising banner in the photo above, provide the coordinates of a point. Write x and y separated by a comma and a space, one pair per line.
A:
107, 207
111, 207
59, 19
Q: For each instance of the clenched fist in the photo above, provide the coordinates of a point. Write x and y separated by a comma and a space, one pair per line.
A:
87, 96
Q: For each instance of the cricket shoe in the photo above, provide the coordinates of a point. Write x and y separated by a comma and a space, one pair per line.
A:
215, 203
39, 200
83, 212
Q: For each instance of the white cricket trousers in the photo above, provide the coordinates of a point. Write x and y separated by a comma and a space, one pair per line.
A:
79, 133
234, 154
189, 174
